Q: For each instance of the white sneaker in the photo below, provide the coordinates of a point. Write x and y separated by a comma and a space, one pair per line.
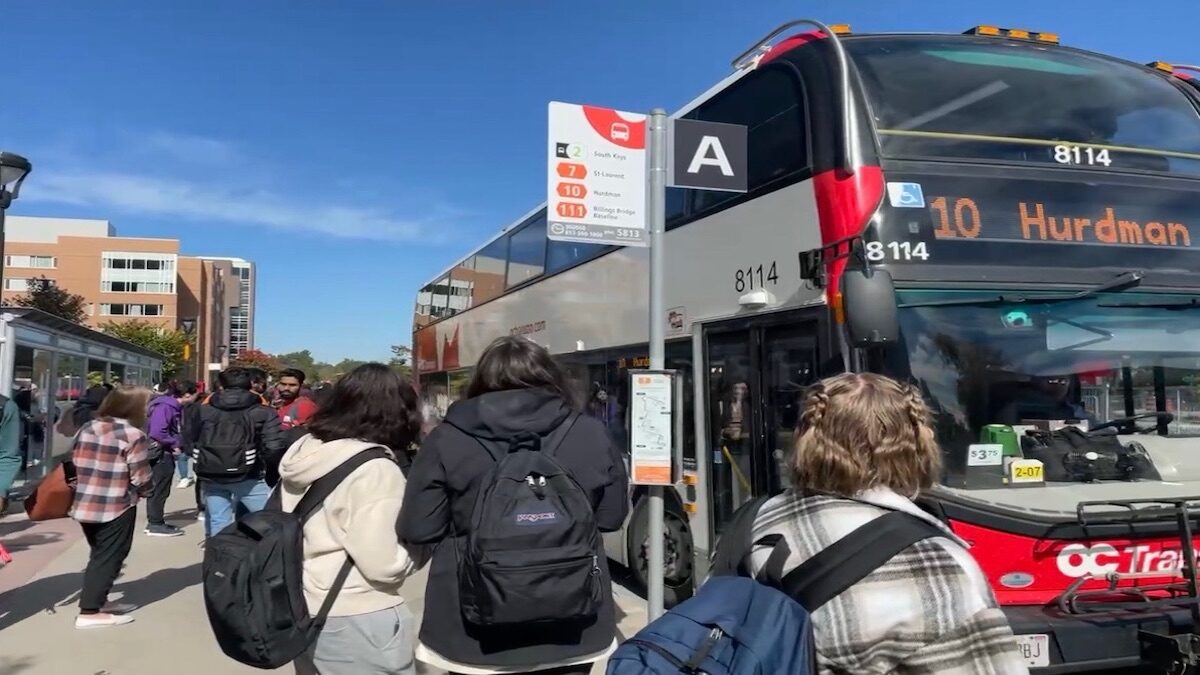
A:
88, 621
183, 482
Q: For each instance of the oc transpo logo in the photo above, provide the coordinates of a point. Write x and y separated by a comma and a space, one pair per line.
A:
1099, 560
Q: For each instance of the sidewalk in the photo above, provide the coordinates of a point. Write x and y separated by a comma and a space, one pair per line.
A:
39, 591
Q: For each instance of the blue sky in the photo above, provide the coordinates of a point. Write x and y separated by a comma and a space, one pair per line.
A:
353, 149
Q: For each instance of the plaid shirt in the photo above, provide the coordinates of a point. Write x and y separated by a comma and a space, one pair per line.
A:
112, 468
928, 610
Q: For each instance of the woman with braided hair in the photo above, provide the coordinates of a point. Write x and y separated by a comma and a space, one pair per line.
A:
864, 449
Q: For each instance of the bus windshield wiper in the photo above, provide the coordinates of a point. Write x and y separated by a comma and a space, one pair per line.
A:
1121, 282
1191, 303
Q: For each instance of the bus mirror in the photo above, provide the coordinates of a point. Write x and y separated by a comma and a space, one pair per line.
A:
869, 302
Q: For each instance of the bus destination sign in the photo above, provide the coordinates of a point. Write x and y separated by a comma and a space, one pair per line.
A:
943, 220
596, 183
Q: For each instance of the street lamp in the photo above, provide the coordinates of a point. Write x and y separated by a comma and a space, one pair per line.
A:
13, 170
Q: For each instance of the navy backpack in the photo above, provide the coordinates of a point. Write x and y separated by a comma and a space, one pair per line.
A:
742, 625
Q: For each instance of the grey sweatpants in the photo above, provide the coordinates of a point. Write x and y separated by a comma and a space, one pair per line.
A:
379, 643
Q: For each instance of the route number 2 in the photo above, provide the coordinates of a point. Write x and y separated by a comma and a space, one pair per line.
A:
1073, 154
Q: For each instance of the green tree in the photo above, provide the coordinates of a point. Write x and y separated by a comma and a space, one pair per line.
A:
401, 355
49, 297
302, 360
170, 343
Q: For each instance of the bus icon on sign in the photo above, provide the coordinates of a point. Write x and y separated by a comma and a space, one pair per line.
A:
906, 195
619, 131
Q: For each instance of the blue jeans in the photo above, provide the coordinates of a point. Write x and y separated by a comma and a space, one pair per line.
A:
222, 499
181, 465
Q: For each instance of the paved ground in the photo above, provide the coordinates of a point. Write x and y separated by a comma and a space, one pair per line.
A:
38, 592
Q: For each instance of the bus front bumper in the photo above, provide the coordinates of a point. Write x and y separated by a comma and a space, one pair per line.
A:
1091, 643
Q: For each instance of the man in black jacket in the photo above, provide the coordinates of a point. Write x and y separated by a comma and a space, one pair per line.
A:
236, 441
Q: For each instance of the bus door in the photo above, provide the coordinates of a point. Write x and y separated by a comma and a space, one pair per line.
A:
757, 370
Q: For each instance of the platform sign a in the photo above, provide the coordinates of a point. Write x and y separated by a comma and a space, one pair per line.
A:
596, 182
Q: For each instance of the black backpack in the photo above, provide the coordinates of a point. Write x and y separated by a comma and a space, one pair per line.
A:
228, 445
253, 577
532, 552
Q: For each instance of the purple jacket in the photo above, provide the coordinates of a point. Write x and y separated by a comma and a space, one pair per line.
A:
165, 413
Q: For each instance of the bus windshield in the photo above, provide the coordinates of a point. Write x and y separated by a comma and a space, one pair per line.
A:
1012, 101
1033, 368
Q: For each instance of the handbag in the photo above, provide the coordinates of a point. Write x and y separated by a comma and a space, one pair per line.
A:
54, 495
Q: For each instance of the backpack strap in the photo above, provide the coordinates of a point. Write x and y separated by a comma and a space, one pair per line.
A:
557, 437
848, 560
313, 499
324, 486
730, 556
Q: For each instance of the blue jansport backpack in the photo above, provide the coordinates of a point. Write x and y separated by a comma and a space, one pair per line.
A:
739, 625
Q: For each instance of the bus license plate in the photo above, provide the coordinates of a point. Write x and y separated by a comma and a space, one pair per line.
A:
1035, 649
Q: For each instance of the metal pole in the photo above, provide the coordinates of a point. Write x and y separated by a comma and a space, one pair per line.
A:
3, 236
656, 207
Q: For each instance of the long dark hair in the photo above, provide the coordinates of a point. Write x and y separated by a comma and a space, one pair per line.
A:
518, 363
372, 403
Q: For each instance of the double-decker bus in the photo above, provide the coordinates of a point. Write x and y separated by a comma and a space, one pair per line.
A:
1002, 220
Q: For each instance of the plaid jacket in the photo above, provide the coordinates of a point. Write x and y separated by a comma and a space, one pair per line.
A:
928, 610
112, 468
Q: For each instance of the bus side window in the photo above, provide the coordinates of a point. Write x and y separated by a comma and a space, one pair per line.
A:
770, 104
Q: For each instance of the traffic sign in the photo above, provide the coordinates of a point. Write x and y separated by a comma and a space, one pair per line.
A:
708, 156
596, 182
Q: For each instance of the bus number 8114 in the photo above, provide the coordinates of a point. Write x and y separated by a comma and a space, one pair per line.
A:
751, 278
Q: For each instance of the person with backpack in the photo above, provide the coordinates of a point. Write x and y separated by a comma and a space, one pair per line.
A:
235, 440
112, 470
878, 584
369, 628
514, 489
166, 409
190, 415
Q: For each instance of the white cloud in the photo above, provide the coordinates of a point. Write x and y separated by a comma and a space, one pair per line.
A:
187, 148
185, 186
194, 201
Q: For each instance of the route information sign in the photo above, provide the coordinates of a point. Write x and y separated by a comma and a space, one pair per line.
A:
596, 183
651, 403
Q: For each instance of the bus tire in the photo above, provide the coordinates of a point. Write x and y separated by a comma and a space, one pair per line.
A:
678, 582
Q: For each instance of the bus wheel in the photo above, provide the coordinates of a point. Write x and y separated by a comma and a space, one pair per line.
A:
677, 556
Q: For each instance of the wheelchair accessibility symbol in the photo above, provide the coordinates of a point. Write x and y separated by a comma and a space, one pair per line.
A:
906, 195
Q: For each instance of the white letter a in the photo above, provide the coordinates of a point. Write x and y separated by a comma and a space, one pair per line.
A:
718, 159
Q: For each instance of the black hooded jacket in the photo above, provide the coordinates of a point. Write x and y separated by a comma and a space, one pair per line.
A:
439, 497
268, 433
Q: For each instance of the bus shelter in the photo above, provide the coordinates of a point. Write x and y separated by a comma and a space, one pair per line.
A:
46, 365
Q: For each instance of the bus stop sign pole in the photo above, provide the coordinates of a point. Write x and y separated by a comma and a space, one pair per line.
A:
656, 199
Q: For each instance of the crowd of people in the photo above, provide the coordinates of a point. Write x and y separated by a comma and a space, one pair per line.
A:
449, 497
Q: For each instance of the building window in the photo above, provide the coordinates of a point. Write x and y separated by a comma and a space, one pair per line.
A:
138, 272
137, 287
16, 285
126, 309
33, 261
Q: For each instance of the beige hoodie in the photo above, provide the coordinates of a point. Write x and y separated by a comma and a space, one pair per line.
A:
358, 518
